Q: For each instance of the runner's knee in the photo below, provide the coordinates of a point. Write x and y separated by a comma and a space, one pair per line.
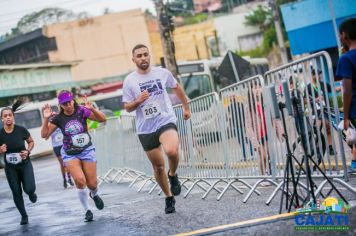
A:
159, 169
172, 152
92, 184
29, 189
80, 182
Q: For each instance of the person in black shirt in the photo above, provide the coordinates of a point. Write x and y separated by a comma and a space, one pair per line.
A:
321, 91
18, 167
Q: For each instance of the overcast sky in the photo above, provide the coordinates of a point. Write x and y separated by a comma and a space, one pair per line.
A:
12, 10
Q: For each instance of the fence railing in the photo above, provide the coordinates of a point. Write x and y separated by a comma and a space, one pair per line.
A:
233, 141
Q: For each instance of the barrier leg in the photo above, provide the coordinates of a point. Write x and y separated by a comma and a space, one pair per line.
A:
252, 190
213, 187
122, 176
144, 183
227, 187
346, 185
191, 188
117, 174
137, 177
153, 188
184, 182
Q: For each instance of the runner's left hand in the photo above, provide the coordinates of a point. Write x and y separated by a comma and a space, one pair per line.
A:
88, 104
24, 154
186, 114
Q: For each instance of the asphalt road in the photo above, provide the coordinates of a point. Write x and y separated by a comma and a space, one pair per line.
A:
126, 212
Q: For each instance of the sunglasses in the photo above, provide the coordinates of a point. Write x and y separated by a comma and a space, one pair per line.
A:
66, 103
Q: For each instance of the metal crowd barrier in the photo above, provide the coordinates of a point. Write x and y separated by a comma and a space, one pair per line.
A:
247, 156
311, 84
203, 145
233, 138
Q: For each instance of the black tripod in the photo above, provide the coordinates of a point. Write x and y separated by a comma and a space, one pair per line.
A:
308, 157
288, 169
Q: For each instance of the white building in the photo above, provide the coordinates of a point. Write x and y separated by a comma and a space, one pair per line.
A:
234, 34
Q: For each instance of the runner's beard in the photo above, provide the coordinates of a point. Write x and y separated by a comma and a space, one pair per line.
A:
143, 66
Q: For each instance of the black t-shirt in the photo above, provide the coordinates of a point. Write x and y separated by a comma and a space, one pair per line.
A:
316, 89
14, 141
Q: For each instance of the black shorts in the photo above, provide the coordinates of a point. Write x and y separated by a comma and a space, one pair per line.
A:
57, 151
151, 141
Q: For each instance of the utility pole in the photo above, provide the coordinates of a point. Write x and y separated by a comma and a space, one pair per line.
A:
166, 28
333, 19
277, 25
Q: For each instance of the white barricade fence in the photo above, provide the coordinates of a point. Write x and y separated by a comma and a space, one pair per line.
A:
203, 146
313, 95
104, 138
234, 138
246, 132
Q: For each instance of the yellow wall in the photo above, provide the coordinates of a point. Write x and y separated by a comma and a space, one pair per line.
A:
102, 45
190, 42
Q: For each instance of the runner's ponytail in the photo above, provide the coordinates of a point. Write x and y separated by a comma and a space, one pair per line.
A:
14, 106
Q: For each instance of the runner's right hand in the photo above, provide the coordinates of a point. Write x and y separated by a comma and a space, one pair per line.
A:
346, 124
143, 96
47, 111
3, 148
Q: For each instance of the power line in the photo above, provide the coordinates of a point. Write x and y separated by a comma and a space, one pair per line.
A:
41, 7
16, 19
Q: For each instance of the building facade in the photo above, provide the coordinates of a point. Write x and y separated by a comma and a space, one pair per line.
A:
100, 46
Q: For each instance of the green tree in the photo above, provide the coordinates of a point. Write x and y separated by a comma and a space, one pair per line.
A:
44, 17
262, 18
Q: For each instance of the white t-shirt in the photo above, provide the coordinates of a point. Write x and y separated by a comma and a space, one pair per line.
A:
157, 110
57, 138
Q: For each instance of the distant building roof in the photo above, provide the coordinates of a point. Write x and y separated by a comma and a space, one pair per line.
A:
35, 66
309, 26
21, 39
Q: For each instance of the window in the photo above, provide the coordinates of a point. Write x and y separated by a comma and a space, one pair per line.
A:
114, 103
251, 41
190, 68
29, 119
196, 85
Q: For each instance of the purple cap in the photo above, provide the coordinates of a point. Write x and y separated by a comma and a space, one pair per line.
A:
65, 96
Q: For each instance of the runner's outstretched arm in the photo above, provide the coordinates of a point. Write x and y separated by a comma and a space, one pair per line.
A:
47, 128
97, 115
183, 98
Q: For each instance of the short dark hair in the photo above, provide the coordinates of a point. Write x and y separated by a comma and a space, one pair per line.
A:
138, 46
348, 27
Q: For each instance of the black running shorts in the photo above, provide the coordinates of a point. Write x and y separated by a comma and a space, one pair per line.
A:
57, 151
151, 141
